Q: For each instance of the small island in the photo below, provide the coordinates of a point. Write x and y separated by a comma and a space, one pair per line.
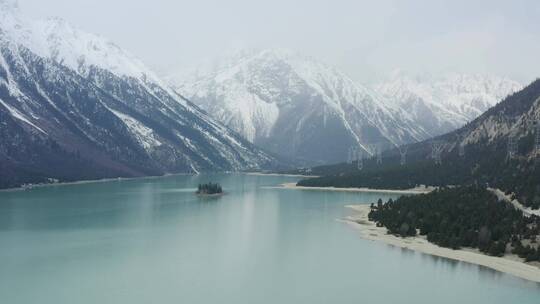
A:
209, 189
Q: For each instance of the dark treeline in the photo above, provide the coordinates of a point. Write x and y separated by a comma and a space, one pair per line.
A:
520, 176
462, 217
209, 188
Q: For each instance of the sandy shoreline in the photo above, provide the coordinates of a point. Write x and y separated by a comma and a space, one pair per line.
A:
89, 181
280, 174
419, 190
112, 179
510, 264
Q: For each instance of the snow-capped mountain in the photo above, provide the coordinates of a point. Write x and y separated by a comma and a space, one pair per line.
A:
499, 149
296, 106
74, 106
443, 104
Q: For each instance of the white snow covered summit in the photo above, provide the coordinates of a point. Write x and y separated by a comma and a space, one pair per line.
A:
443, 104
296, 106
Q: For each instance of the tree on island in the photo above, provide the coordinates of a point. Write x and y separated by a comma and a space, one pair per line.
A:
209, 189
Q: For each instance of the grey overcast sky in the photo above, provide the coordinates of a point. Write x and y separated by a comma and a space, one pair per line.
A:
366, 39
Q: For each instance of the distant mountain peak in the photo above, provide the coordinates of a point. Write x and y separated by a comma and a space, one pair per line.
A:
446, 102
253, 90
290, 103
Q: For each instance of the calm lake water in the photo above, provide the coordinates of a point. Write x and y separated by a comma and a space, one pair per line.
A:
154, 241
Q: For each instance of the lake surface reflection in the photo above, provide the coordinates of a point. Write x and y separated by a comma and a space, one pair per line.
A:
153, 241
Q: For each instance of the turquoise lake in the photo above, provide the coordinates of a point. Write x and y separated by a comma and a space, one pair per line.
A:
153, 241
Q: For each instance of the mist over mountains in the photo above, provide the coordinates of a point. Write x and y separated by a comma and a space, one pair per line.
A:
296, 106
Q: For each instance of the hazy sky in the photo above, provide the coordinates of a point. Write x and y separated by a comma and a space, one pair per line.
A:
366, 39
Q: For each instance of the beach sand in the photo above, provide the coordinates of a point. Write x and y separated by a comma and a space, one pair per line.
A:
280, 174
418, 190
510, 264
92, 181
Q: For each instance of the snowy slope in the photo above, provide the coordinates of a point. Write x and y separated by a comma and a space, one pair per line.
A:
442, 104
292, 104
74, 105
55, 38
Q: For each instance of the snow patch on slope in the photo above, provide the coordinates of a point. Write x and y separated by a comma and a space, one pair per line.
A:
144, 135
20, 116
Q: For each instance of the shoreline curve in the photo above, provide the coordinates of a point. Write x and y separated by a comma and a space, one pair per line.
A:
509, 264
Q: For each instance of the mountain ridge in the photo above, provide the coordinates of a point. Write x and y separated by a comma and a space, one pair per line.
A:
69, 115
251, 90
449, 101
260, 93
500, 148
